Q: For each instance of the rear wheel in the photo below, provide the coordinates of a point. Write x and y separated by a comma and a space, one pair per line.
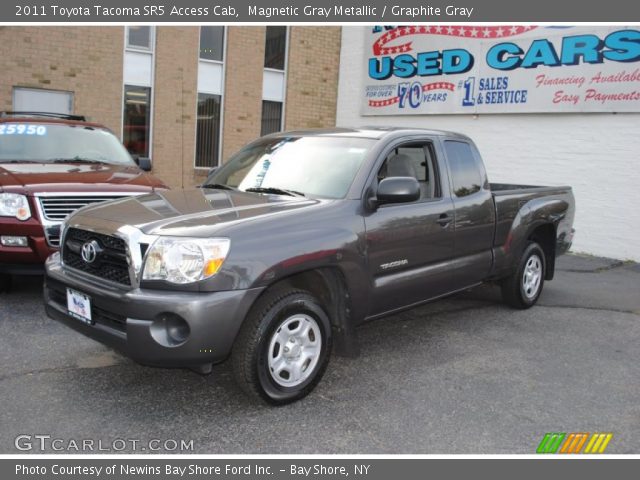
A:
523, 288
283, 347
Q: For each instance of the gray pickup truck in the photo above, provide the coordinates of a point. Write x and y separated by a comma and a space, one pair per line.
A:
295, 241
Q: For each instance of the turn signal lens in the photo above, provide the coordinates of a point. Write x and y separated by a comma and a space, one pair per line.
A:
212, 266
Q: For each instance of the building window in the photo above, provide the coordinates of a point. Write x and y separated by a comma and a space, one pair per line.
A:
140, 38
271, 117
137, 119
208, 130
38, 100
212, 43
275, 48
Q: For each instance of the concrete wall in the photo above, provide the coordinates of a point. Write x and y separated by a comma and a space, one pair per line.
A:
597, 154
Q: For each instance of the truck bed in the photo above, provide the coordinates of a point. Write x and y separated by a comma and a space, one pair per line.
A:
509, 200
500, 189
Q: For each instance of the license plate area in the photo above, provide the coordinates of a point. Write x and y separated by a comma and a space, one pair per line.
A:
79, 306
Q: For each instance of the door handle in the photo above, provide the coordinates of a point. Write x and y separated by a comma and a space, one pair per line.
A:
443, 220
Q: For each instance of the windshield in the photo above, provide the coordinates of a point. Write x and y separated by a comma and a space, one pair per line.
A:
49, 143
316, 166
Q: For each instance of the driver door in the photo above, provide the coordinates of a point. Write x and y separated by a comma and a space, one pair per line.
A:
409, 245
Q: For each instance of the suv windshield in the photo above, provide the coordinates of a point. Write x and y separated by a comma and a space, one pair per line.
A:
49, 143
314, 165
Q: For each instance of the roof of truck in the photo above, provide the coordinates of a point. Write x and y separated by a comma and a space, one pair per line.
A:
374, 132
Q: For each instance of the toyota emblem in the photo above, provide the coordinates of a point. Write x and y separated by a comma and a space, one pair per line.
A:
90, 251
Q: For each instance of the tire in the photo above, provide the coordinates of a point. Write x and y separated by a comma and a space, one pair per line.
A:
5, 282
523, 288
283, 347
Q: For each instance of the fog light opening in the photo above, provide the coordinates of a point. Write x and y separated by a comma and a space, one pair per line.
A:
13, 241
170, 330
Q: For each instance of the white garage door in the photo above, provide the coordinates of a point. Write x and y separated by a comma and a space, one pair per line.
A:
36, 100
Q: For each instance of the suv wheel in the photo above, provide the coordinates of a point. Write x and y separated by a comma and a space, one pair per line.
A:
283, 347
523, 288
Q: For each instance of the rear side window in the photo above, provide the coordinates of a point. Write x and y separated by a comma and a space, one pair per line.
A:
466, 171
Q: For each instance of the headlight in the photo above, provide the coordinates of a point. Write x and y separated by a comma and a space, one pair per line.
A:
180, 260
14, 205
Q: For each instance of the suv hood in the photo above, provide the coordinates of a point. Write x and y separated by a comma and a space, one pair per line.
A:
76, 177
196, 212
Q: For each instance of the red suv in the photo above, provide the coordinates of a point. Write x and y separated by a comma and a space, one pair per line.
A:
50, 166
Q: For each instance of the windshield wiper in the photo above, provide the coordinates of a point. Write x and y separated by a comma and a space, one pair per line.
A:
277, 191
218, 186
76, 160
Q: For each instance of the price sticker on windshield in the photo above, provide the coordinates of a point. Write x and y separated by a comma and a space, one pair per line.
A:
22, 129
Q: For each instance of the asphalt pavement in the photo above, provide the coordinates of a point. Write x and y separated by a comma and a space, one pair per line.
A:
463, 375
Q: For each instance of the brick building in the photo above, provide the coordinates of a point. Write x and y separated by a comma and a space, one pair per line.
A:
186, 96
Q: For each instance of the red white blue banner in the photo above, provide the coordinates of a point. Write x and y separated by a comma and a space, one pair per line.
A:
430, 69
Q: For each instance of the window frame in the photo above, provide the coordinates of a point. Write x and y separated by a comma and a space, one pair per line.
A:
219, 140
18, 88
477, 161
224, 46
138, 48
262, 118
150, 120
285, 74
429, 148
223, 96
285, 53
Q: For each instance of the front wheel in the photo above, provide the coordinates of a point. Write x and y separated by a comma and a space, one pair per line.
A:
283, 347
523, 288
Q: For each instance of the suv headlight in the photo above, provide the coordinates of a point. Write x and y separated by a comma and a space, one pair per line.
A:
185, 260
14, 205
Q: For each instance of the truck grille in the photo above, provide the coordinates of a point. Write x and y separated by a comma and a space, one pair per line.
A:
111, 262
58, 208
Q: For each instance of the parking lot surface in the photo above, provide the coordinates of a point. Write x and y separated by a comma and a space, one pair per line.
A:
463, 375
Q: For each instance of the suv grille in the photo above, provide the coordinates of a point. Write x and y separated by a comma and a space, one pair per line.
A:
57, 208
110, 263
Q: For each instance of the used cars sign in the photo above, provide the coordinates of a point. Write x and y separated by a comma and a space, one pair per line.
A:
426, 69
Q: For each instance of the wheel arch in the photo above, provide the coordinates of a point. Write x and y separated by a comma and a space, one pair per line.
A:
545, 236
330, 286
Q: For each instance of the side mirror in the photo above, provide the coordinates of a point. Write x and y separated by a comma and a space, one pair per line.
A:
397, 190
144, 163
212, 170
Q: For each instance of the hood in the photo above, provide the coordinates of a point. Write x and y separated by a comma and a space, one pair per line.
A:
63, 177
196, 212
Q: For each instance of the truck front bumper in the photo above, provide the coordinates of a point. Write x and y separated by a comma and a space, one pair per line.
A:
153, 327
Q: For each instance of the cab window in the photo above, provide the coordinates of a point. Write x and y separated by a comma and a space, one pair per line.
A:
414, 160
467, 173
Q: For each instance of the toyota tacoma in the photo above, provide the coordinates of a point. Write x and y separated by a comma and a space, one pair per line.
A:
295, 241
